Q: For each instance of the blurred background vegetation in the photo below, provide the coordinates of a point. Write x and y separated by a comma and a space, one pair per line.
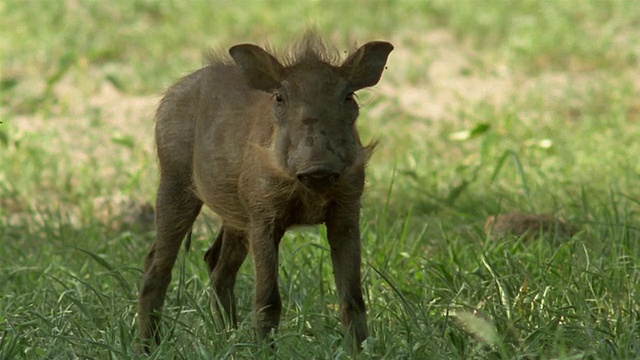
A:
486, 107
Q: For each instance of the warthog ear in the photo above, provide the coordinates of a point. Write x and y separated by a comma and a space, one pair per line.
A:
260, 69
364, 67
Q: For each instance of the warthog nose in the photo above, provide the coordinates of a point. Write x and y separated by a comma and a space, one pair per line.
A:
318, 178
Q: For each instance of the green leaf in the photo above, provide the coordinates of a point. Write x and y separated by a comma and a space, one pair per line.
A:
125, 140
7, 84
480, 129
463, 135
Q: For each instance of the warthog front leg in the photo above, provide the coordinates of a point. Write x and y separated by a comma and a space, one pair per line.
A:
344, 239
176, 210
224, 259
267, 304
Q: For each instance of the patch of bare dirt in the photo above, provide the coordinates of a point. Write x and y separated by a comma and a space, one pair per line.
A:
436, 76
449, 77
94, 108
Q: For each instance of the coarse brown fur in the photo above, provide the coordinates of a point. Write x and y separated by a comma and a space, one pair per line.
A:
266, 144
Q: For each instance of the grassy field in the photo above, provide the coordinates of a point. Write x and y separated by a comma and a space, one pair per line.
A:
486, 107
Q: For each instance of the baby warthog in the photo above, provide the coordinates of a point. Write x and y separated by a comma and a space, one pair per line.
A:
266, 143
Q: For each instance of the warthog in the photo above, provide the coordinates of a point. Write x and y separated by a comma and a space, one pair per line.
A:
266, 144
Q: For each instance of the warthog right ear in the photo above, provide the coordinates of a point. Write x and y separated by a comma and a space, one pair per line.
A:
364, 67
260, 69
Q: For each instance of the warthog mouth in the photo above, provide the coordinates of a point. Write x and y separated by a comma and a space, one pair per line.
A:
318, 177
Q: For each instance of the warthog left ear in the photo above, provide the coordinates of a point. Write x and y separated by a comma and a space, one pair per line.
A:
364, 67
260, 69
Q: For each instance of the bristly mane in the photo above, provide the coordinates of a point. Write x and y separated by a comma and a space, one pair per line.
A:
310, 48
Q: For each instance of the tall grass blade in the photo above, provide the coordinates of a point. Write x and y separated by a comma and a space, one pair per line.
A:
504, 296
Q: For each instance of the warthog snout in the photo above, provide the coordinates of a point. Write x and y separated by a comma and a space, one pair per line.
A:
318, 177
267, 143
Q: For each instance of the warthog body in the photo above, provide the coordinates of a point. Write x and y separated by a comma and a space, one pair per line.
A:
266, 144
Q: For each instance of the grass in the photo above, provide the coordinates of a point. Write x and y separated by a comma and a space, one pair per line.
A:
485, 107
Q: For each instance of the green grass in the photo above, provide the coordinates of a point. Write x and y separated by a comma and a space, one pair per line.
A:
557, 132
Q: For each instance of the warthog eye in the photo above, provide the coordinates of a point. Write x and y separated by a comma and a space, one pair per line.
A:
279, 97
